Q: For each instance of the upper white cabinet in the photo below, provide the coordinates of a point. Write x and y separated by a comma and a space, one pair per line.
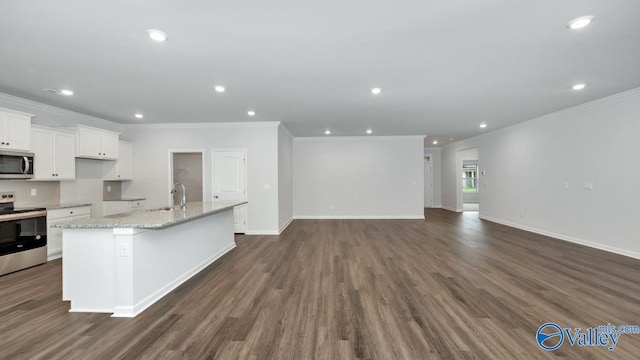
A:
122, 169
54, 154
94, 143
15, 130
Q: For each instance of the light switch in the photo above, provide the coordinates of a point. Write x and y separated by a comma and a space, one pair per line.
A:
587, 186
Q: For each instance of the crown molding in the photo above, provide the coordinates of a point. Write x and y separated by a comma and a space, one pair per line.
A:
217, 125
357, 138
87, 119
287, 131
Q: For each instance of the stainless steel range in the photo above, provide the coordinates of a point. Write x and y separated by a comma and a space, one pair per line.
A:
23, 235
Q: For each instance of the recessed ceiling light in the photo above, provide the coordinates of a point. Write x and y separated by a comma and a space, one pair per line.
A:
157, 35
66, 92
483, 125
369, 131
251, 113
219, 88
138, 116
376, 90
435, 142
327, 132
450, 139
579, 23
579, 86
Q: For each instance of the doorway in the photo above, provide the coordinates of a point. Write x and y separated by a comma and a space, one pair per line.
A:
468, 184
186, 168
428, 181
470, 188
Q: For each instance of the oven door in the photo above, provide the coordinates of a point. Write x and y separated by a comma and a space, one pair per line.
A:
22, 231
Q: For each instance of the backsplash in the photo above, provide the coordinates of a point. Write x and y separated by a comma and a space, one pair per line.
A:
45, 192
111, 190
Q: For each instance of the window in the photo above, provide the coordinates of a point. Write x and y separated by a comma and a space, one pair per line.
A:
470, 178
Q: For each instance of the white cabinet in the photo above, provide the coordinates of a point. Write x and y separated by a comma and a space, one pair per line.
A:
54, 235
122, 206
122, 169
54, 154
94, 143
15, 130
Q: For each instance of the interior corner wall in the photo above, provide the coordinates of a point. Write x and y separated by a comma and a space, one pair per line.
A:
553, 175
358, 177
285, 177
436, 159
151, 165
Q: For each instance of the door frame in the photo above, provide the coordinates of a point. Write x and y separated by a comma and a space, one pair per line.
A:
170, 171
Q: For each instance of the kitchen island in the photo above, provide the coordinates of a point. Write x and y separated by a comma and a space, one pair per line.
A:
123, 263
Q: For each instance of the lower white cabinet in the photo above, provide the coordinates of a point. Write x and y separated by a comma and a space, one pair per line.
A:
54, 235
121, 206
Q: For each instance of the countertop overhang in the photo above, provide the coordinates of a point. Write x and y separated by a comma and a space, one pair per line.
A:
152, 219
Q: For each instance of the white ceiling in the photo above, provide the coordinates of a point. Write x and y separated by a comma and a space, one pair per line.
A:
444, 66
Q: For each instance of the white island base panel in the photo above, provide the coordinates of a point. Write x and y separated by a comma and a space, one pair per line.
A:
125, 270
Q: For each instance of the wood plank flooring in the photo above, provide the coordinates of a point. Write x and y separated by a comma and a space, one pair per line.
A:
449, 287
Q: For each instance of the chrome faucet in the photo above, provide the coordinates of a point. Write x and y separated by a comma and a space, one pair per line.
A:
183, 202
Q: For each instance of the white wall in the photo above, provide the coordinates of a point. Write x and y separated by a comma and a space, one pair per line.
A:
436, 168
285, 177
358, 177
151, 163
527, 166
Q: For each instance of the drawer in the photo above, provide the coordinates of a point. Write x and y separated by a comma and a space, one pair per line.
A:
69, 212
136, 205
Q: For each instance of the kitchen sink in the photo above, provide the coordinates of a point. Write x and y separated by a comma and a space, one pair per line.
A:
166, 208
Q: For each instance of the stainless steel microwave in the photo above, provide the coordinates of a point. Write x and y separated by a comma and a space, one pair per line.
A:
16, 165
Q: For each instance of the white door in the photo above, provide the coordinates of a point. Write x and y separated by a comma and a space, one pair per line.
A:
229, 182
428, 182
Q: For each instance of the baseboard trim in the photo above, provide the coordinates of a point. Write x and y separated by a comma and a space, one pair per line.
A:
262, 232
359, 217
57, 255
285, 226
607, 248
452, 209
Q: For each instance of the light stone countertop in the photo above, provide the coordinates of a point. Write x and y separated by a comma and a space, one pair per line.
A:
152, 219
66, 205
126, 199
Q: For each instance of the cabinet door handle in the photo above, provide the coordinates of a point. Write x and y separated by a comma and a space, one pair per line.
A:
8, 144
70, 212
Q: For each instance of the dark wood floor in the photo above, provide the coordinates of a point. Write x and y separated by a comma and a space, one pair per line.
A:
449, 287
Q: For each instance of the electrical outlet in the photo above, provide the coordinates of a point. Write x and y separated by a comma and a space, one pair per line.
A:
34, 192
108, 188
124, 250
